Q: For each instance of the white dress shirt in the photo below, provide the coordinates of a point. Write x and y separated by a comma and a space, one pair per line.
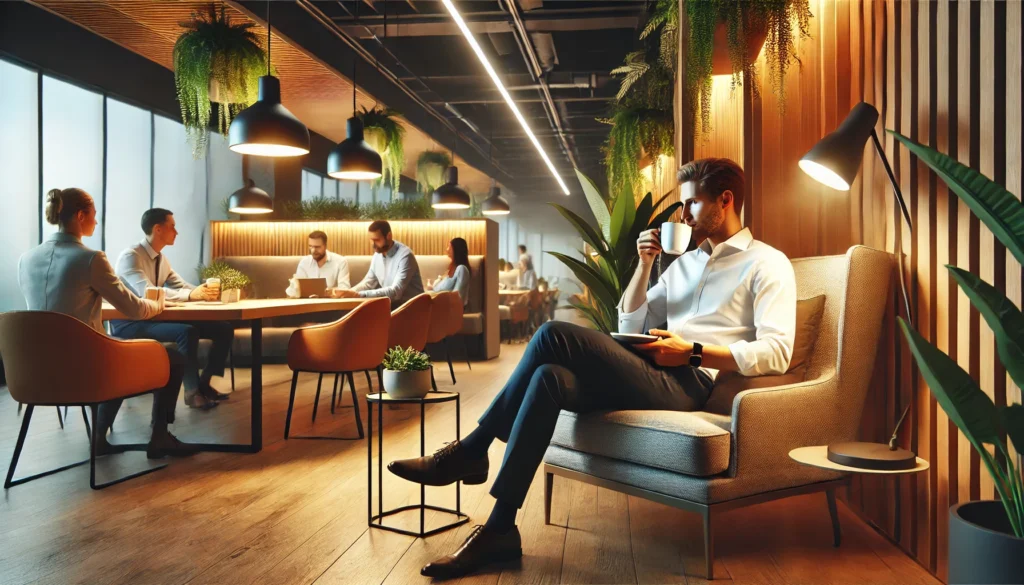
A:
395, 275
741, 294
334, 270
137, 267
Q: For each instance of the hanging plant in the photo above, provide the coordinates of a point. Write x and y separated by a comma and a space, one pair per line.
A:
386, 135
744, 24
215, 61
430, 167
636, 133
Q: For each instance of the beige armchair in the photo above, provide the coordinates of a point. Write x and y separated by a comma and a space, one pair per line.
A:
736, 452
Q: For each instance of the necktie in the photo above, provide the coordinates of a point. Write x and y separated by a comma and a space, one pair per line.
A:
156, 281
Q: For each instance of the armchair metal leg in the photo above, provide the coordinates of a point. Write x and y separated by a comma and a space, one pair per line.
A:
709, 545
10, 482
60, 419
291, 404
369, 383
549, 484
837, 533
433, 383
334, 393
355, 404
92, 461
88, 430
448, 354
316, 401
465, 348
231, 361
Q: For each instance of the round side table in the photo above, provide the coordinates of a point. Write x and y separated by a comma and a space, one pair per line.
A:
377, 520
817, 456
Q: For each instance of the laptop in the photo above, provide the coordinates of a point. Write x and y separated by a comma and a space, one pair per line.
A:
312, 287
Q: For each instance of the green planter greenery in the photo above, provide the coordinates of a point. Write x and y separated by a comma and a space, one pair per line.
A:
329, 209
230, 278
215, 54
387, 136
973, 412
430, 167
606, 273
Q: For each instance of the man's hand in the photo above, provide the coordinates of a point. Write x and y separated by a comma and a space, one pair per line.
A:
341, 293
648, 245
204, 293
669, 351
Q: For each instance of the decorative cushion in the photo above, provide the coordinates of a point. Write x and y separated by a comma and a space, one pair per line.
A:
674, 441
472, 324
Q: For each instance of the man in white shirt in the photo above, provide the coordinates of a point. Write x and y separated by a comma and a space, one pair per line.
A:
321, 263
393, 271
730, 304
144, 265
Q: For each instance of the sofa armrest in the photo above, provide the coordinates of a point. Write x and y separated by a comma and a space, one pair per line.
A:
767, 423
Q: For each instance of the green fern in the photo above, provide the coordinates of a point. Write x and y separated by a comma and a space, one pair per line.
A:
430, 169
387, 135
212, 48
634, 70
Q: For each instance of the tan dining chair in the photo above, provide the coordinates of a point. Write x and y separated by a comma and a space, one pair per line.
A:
410, 327
53, 359
445, 321
357, 341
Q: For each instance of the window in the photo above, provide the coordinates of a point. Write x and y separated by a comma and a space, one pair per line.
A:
179, 185
129, 140
312, 185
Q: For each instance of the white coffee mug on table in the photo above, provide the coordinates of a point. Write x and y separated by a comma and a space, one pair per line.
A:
675, 237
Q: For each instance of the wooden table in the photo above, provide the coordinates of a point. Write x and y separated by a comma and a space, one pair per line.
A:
254, 311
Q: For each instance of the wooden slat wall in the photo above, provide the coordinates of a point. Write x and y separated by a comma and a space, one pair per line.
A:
947, 73
348, 238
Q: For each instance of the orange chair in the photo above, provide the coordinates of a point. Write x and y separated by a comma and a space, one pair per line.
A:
446, 322
357, 341
410, 327
53, 359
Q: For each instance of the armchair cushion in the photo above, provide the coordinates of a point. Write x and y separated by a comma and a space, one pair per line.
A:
683, 442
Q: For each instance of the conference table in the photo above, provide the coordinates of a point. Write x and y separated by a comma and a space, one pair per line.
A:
254, 311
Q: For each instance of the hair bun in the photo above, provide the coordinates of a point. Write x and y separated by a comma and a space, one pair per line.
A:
54, 205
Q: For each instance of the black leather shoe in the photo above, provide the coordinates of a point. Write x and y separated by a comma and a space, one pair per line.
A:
482, 548
447, 466
169, 446
211, 393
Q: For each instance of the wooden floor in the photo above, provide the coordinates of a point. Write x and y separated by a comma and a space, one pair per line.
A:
296, 513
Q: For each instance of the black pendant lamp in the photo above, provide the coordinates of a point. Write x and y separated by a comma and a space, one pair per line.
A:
250, 200
495, 204
353, 159
267, 128
450, 195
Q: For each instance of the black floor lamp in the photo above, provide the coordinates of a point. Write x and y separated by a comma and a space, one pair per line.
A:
834, 161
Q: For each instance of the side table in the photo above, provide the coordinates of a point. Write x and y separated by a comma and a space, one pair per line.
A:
377, 520
817, 456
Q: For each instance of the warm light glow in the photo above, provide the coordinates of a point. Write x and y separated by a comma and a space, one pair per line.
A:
498, 212
450, 206
269, 150
249, 210
501, 89
354, 175
824, 175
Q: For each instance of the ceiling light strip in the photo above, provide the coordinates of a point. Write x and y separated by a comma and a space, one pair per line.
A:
501, 89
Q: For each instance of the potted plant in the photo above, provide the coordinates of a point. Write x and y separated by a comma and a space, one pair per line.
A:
430, 169
406, 373
232, 281
386, 135
986, 538
218, 61
728, 31
606, 272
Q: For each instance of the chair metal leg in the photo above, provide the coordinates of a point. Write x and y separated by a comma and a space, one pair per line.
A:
19, 407
92, 461
291, 404
549, 483
837, 534
316, 401
709, 545
60, 419
465, 348
369, 384
231, 360
85, 418
359, 422
433, 383
334, 393
448, 354
355, 404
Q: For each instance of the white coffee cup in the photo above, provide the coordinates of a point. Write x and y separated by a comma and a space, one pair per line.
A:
156, 293
213, 282
675, 237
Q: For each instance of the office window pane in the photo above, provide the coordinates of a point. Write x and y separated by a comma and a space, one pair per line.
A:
73, 145
331, 188
129, 139
224, 175
19, 167
180, 186
347, 190
312, 185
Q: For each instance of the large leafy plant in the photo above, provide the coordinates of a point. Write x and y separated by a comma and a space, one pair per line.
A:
742, 19
606, 271
973, 412
215, 53
386, 135
230, 278
406, 359
430, 167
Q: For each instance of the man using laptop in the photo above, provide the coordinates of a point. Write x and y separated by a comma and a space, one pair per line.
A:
393, 271
321, 263
143, 265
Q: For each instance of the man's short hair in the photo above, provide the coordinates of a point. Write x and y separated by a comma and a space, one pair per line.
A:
318, 235
522, 247
153, 217
713, 176
381, 226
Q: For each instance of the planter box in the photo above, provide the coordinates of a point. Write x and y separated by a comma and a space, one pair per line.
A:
411, 384
982, 547
231, 295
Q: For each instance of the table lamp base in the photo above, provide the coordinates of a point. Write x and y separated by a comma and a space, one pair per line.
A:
876, 456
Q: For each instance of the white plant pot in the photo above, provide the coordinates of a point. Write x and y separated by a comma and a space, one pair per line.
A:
231, 295
410, 384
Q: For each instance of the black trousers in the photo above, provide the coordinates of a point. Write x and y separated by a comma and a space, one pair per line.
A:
186, 336
567, 367
164, 399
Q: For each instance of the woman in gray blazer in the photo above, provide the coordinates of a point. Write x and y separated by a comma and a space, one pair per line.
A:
64, 276
457, 277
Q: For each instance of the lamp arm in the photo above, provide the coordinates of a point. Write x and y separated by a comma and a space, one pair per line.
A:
892, 179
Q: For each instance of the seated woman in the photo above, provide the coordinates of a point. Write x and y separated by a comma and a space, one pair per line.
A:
457, 277
64, 276
527, 277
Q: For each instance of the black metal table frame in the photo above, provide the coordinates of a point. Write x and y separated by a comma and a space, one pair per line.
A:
422, 506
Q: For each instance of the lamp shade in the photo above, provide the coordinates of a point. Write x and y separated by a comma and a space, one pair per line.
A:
250, 200
450, 195
495, 204
267, 128
836, 158
353, 159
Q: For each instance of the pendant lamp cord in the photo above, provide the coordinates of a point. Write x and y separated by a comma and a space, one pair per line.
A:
268, 38
355, 58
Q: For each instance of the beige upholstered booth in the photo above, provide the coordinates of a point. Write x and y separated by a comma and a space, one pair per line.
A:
735, 452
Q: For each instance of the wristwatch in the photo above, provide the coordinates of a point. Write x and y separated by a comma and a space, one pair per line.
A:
696, 356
